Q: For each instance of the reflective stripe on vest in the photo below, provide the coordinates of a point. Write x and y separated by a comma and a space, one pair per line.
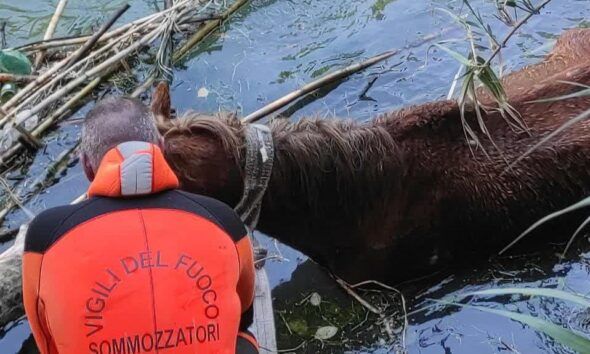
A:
136, 169
133, 168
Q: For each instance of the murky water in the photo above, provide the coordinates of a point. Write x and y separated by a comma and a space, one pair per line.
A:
270, 48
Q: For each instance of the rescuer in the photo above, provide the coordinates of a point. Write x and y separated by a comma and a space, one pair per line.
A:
140, 266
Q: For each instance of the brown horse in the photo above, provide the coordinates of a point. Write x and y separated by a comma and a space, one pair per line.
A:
400, 195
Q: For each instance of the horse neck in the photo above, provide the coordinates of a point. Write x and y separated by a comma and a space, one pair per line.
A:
327, 176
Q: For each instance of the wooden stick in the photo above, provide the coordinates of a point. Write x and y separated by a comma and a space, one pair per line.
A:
344, 285
92, 41
26, 138
76, 40
16, 78
330, 78
314, 85
144, 86
53, 42
403, 301
61, 5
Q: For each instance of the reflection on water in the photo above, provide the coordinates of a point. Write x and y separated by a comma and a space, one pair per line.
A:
270, 48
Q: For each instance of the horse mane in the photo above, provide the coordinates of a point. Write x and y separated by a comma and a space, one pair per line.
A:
224, 127
345, 162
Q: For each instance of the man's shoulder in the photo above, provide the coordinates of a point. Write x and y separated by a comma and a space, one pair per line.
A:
47, 227
221, 213
44, 228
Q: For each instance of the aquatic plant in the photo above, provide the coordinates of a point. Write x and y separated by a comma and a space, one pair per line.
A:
478, 70
565, 336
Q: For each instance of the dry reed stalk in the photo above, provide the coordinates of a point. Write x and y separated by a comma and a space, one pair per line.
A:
144, 86
183, 7
26, 138
103, 67
184, 25
350, 291
24, 92
63, 74
57, 78
330, 78
65, 41
314, 85
166, 50
402, 300
76, 40
50, 30
55, 42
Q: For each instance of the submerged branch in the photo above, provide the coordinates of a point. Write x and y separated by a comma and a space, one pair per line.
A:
314, 85
329, 78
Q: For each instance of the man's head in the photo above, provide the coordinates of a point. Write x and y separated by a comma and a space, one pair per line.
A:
111, 122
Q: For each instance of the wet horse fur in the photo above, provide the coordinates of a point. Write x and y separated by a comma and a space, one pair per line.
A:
402, 194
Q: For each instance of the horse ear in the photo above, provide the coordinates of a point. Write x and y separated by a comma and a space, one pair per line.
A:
161, 103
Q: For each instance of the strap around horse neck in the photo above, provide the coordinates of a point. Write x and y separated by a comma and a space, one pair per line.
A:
257, 172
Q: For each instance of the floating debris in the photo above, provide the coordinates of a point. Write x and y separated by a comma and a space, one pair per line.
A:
203, 92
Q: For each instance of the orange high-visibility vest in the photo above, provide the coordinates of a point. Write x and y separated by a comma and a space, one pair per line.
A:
140, 267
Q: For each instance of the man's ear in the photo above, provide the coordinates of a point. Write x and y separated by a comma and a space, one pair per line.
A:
88, 170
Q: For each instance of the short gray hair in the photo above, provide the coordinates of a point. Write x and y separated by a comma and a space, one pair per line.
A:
113, 121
